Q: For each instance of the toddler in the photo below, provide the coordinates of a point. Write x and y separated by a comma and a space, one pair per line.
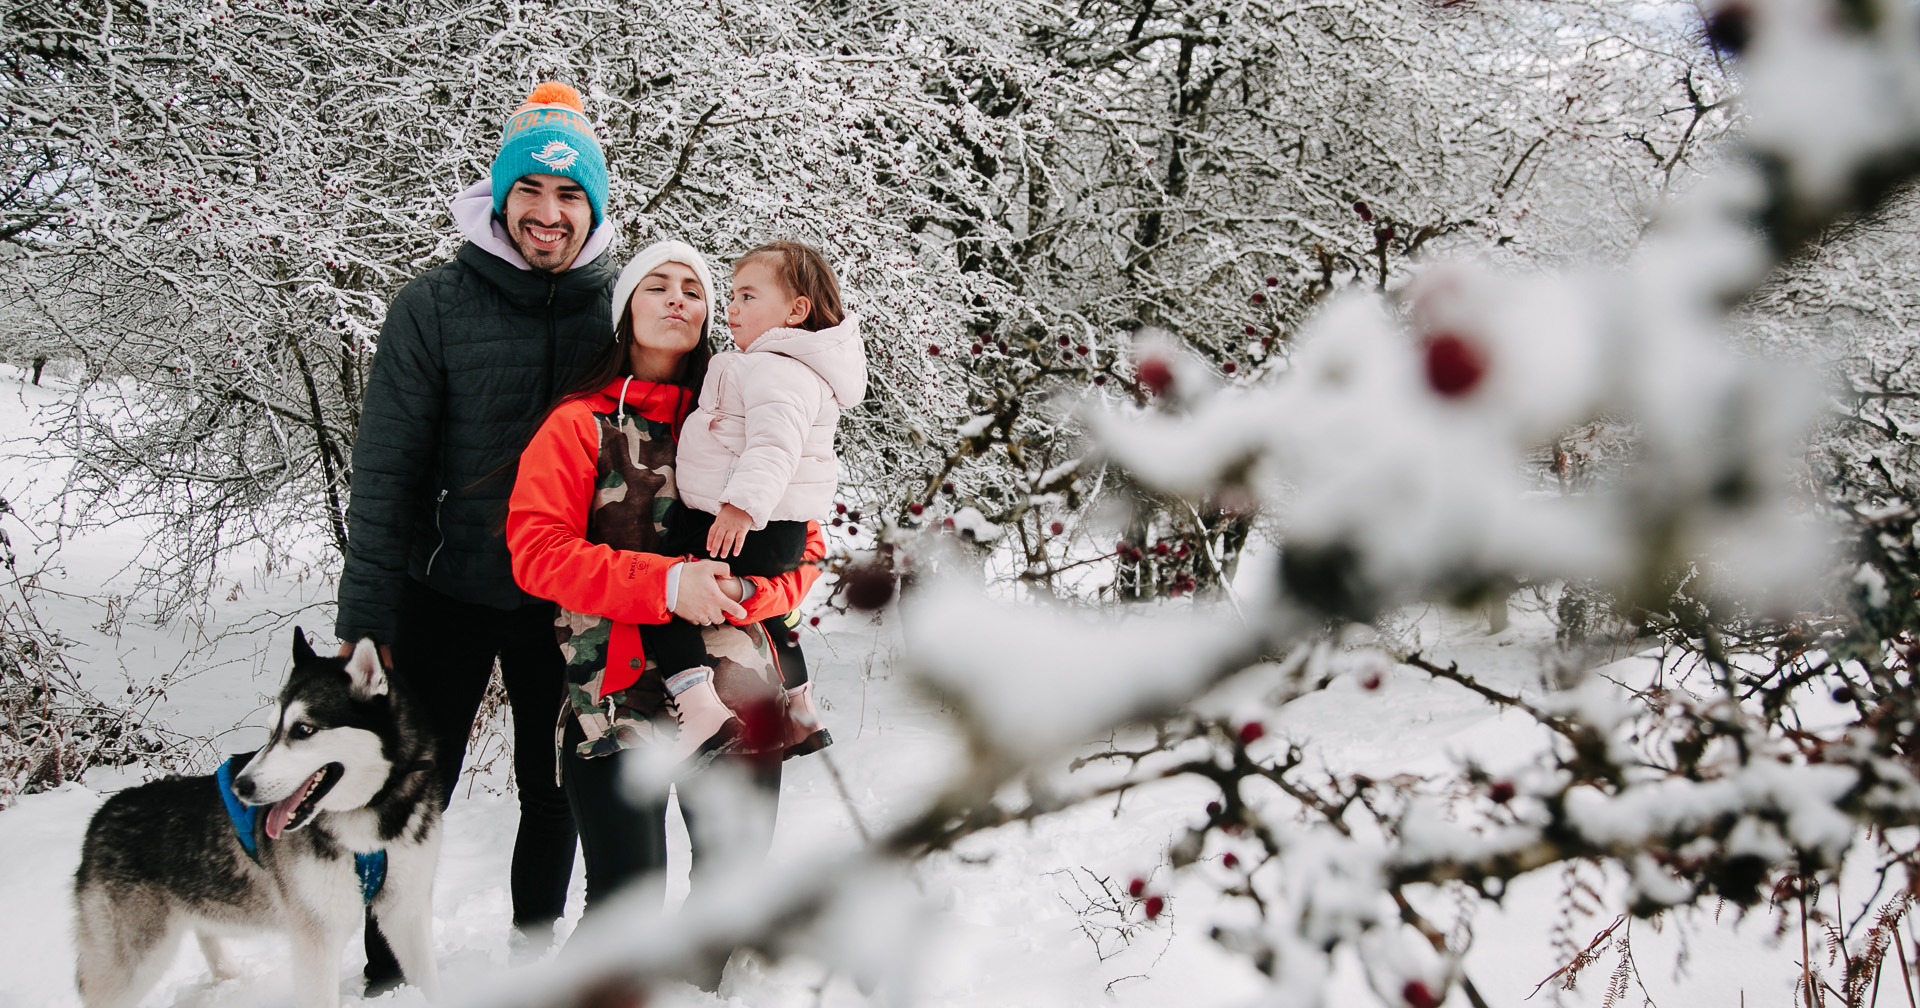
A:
756, 461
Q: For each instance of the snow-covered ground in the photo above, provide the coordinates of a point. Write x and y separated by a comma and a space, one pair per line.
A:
1017, 925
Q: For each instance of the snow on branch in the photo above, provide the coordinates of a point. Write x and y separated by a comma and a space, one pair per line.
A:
1388, 453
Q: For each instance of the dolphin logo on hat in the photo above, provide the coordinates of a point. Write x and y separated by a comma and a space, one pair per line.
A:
556, 155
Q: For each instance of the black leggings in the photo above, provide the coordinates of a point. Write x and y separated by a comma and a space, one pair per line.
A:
445, 656
676, 645
623, 841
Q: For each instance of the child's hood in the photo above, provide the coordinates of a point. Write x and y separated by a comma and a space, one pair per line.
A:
835, 354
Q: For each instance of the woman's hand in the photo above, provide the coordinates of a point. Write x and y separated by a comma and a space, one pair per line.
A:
728, 533
703, 599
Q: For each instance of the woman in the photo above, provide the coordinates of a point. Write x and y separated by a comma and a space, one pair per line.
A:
584, 527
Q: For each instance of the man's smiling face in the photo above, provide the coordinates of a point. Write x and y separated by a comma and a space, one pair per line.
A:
549, 218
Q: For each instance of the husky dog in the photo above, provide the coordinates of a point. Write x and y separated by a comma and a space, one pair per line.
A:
288, 843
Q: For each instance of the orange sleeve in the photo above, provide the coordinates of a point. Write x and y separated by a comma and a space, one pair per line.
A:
547, 525
777, 596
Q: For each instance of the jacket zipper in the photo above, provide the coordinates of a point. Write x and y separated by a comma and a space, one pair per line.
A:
552, 338
435, 555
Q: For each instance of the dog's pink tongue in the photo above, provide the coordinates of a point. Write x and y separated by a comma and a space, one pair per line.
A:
282, 811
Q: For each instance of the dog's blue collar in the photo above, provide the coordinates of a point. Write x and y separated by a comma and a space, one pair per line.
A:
246, 818
371, 869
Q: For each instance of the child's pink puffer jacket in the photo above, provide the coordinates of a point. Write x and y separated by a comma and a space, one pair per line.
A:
762, 437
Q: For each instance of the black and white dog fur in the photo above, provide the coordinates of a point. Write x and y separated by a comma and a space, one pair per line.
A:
347, 771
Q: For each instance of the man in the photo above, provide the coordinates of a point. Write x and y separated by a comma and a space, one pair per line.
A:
471, 355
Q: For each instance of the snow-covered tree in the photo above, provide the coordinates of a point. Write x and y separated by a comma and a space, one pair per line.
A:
1396, 455
1143, 276
217, 201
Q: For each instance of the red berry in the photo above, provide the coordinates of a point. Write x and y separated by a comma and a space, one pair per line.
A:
1136, 887
1730, 28
813, 621
1159, 549
762, 722
1155, 375
916, 508
1500, 791
837, 522
1273, 281
1371, 682
1385, 234
1213, 809
1081, 350
1099, 379
793, 636
1251, 331
1063, 341
1153, 906
933, 350
1229, 367
869, 586
946, 488
1230, 859
1259, 298
946, 523
839, 509
853, 516
1366, 212
1251, 732
853, 530
976, 349
1056, 528
1418, 995
1455, 365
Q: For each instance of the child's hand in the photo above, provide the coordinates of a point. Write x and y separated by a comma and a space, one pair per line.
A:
728, 533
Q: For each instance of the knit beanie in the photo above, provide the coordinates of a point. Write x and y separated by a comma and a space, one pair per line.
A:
644, 262
550, 135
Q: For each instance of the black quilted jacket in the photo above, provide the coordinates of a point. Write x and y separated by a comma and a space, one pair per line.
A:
471, 354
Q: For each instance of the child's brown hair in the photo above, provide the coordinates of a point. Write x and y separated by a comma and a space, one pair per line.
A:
803, 271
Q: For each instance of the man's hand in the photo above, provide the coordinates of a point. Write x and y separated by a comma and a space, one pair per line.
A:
727, 536
703, 599
386, 654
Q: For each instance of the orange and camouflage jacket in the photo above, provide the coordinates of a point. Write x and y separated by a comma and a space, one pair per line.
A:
584, 526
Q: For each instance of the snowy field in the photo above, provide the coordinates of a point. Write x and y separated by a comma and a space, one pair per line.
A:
1015, 907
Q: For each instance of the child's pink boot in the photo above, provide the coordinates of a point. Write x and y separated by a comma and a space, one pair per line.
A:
707, 726
804, 731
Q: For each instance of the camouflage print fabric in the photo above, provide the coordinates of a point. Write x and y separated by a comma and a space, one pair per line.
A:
633, 491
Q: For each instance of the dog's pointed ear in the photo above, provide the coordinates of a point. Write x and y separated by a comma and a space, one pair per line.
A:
367, 678
302, 651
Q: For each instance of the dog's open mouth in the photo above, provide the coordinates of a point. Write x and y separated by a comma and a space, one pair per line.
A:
297, 809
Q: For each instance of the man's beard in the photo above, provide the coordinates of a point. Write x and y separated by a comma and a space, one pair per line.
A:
570, 245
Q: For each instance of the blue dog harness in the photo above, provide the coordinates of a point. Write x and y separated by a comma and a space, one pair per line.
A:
370, 868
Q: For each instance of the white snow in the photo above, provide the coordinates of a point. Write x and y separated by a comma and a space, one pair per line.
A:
1001, 919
